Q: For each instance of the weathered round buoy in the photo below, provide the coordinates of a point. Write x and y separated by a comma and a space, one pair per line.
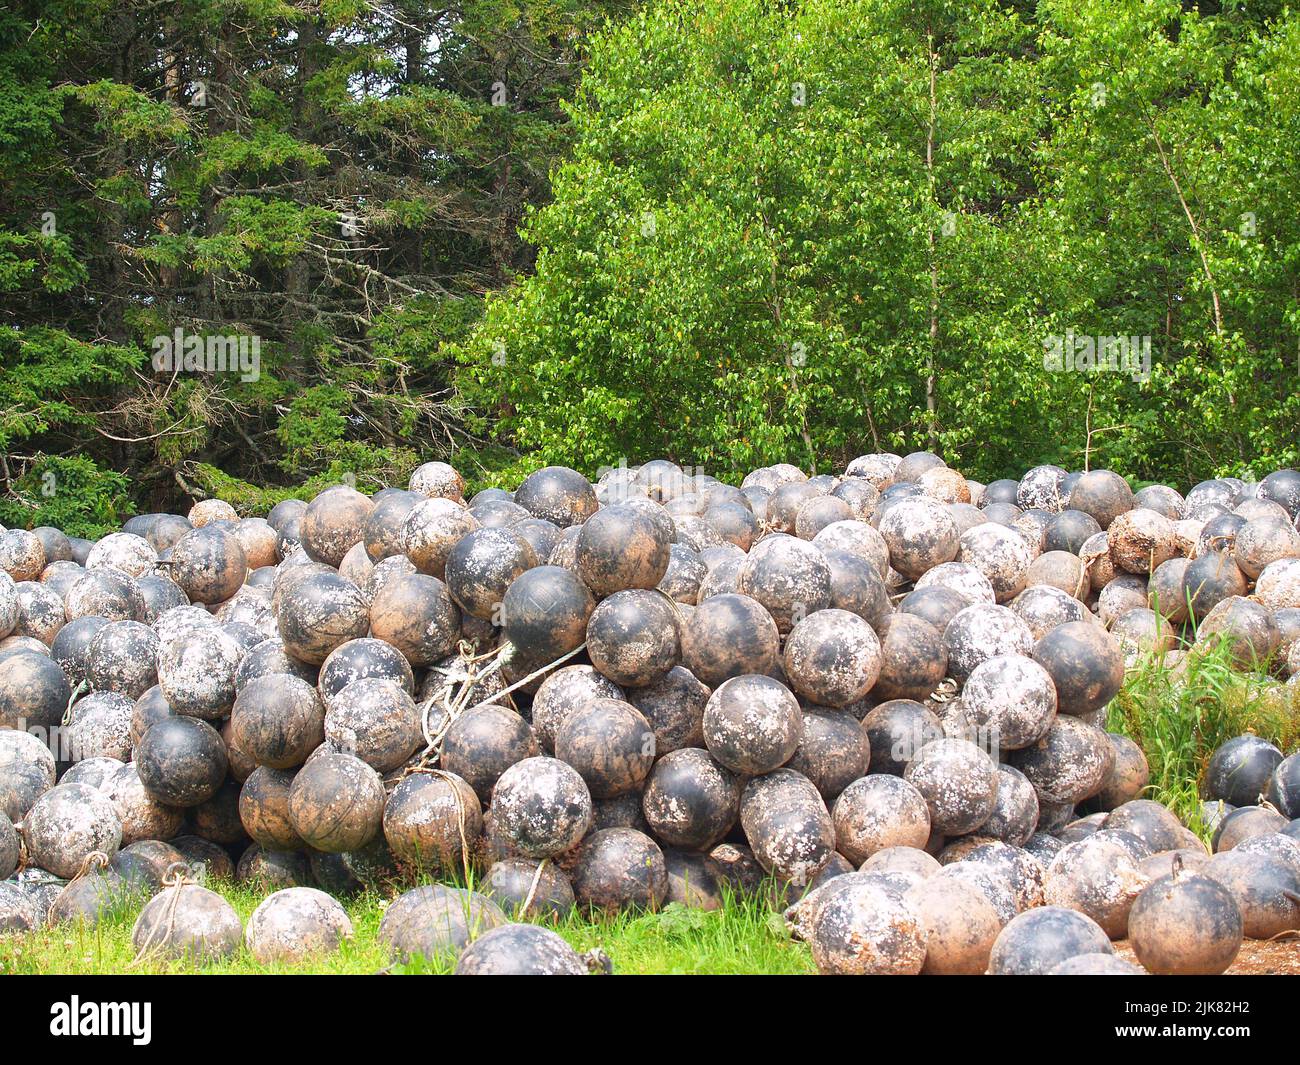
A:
1152, 823
545, 612
432, 528
530, 889
10, 847
752, 724
1038, 940
483, 742
1070, 762
542, 806
788, 576
22, 554
1058, 569
691, 800
437, 480
376, 720
1103, 495
1097, 877
1001, 554
294, 924
520, 950
1239, 771
558, 494
787, 824
1283, 790
382, 533
958, 781
634, 637
563, 691
482, 565
27, 771
920, 534
264, 809
88, 899
1210, 579
278, 720
896, 730
18, 910
206, 859
1015, 809
34, 692
336, 803
318, 613
618, 869
1265, 888
333, 523
609, 743
622, 547
208, 564
122, 657
1245, 823
42, 612
1185, 924
1084, 662
860, 927
833, 751
877, 812
67, 824
673, 706
1011, 700
1245, 628
416, 614
361, 659
959, 923
832, 657
728, 636
181, 761
196, 672
980, 632
271, 870
187, 921
733, 521
141, 816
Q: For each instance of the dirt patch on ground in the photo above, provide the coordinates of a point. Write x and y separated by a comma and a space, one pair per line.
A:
1258, 957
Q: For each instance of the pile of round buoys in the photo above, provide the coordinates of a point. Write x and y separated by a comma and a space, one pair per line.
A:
876, 701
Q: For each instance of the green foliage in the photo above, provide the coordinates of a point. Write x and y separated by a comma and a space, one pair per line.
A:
1181, 714
336, 181
72, 494
788, 233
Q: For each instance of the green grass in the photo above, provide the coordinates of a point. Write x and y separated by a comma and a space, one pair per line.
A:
744, 936
1180, 715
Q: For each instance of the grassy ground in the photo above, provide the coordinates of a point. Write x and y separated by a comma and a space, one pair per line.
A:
743, 937
1179, 716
